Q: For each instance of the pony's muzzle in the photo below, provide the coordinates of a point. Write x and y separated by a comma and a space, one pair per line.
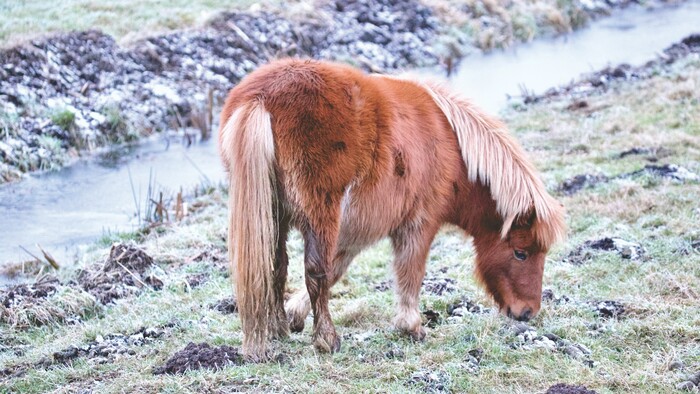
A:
525, 315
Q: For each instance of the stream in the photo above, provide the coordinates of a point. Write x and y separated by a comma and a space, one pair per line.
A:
75, 206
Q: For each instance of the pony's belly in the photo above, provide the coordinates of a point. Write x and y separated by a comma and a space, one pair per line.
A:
366, 218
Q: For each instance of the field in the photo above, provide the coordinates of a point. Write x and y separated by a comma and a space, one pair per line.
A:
616, 317
152, 311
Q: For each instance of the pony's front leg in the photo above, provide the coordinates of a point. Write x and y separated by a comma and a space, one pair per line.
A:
318, 249
411, 245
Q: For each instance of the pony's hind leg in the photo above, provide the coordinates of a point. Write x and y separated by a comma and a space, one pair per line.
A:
319, 245
299, 305
411, 245
278, 326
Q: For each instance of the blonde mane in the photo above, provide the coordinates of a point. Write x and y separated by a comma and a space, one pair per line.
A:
493, 156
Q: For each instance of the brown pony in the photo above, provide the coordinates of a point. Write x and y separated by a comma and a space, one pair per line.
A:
349, 158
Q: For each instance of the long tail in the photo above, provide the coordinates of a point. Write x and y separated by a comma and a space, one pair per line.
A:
247, 146
495, 158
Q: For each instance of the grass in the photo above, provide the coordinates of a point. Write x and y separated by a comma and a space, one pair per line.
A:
124, 19
490, 24
631, 353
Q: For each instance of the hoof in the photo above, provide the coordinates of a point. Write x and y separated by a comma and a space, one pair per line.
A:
417, 335
297, 309
256, 354
329, 344
295, 324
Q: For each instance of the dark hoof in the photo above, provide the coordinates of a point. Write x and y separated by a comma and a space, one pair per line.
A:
417, 335
327, 345
296, 325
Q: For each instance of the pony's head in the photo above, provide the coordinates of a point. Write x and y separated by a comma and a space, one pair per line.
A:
510, 267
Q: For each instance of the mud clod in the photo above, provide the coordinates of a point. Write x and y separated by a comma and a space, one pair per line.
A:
609, 309
465, 306
227, 306
563, 388
121, 275
198, 356
15, 296
432, 318
670, 171
107, 348
585, 252
439, 286
196, 280
579, 182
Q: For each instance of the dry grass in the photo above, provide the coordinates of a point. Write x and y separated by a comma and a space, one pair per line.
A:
498, 23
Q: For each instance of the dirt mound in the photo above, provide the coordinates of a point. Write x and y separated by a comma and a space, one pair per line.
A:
202, 355
465, 306
652, 154
227, 306
563, 388
121, 275
47, 301
586, 251
670, 171
527, 337
15, 297
439, 286
609, 308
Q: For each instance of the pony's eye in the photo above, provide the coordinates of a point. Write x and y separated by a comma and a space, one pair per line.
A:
520, 254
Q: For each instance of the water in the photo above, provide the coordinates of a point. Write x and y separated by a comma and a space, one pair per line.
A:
78, 204
634, 36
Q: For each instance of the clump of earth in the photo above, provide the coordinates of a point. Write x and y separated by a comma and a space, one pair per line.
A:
527, 337
563, 388
586, 251
122, 274
107, 348
227, 306
45, 301
198, 356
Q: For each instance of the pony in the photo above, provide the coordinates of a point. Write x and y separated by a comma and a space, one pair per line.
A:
349, 158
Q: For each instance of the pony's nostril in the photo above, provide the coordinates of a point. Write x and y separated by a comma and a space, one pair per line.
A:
526, 315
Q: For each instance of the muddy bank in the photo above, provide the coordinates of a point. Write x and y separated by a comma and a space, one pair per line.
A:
71, 93
600, 81
78, 91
